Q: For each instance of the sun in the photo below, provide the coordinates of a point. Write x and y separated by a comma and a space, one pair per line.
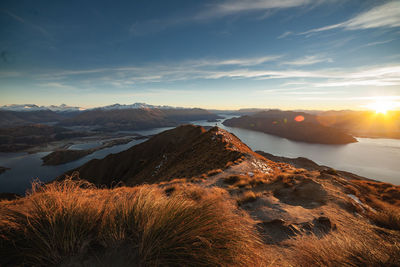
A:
382, 106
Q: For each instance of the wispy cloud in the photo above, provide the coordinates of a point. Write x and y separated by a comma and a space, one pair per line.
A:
308, 60
252, 61
220, 10
378, 43
386, 15
36, 27
268, 67
17, 18
285, 34
157, 71
298, 91
230, 7
57, 85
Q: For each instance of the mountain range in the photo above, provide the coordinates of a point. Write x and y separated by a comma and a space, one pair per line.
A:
114, 117
66, 108
33, 107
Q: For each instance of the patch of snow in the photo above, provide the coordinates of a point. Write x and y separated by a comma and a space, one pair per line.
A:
33, 107
136, 106
356, 199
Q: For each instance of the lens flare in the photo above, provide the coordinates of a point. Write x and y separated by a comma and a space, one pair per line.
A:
299, 118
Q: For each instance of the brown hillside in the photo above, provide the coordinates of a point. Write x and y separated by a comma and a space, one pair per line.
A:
186, 151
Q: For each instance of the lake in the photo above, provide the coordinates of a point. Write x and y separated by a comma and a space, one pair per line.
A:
25, 167
377, 159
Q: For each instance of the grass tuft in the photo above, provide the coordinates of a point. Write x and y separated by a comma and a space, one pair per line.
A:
74, 223
387, 218
346, 250
247, 197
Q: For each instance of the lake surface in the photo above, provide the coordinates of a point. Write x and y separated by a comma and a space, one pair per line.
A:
26, 168
377, 159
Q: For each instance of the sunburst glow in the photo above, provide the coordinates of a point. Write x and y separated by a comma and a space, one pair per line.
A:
382, 106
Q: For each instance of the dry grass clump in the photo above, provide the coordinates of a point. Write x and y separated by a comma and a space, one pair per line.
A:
235, 162
214, 172
231, 179
290, 179
370, 191
247, 197
73, 223
245, 181
329, 171
54, 222
387, 217
342, 249
383, 197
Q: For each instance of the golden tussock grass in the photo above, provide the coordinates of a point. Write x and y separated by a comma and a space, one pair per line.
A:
388, 218
73, 222
247, 197
383, 198
214, 172
245, 181
340, 249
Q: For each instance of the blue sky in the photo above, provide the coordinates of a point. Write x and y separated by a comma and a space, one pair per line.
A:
228, 54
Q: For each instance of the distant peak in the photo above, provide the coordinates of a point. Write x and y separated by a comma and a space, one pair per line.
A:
33, 107
137, 105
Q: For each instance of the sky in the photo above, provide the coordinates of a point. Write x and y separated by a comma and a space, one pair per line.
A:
220, 54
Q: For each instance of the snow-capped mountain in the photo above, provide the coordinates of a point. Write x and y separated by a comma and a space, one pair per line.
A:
66, 108
136, 106
33, 107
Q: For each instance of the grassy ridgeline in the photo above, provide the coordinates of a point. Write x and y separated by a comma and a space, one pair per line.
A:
72, 222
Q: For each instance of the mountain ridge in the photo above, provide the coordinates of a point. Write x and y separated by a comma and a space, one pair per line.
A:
186, 151
66, 108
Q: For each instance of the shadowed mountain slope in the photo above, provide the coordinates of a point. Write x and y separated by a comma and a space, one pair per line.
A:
136, 119
185, 151
27, 136
14, 118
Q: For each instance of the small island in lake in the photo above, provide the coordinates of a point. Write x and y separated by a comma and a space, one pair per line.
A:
62, 156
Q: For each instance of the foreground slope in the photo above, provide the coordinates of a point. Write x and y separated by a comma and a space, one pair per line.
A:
211, 202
